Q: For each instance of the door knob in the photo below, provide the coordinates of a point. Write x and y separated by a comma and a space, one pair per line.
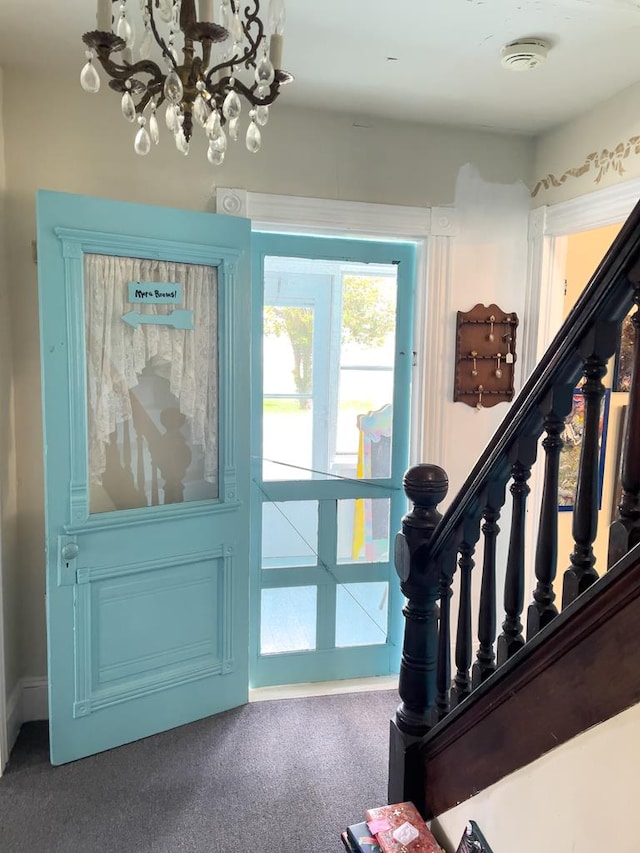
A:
70, 551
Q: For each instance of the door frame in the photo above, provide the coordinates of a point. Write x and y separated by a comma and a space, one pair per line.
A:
430, 228
397, 259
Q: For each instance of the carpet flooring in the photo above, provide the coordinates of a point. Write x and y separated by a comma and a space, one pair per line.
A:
281, 776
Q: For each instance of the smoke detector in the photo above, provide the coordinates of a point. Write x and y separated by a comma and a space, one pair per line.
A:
524, 54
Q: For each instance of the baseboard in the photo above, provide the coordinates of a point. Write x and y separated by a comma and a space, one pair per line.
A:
35, 699
324, 688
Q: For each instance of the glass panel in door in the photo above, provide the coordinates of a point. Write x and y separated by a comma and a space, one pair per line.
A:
152, 382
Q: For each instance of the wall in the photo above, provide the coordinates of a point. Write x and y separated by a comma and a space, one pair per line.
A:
584, 253
79, 143
596, 150
489, 258
580, 798
8, 485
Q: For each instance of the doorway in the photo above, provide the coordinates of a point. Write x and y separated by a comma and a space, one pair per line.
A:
332, 362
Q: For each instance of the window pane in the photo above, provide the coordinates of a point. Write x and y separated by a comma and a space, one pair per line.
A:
152, 382
361, 614
288, 620
287, 435
289, 534
288, 350
366, 375
329, 355
363, 530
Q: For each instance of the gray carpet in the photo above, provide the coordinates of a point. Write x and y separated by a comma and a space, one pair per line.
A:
283, 776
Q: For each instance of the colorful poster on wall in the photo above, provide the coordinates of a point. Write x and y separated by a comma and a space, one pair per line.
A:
572, 447
624, 356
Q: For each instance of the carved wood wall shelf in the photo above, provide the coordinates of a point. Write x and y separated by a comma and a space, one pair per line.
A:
485, 356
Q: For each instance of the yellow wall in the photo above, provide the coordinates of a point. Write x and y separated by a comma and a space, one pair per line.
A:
584, 253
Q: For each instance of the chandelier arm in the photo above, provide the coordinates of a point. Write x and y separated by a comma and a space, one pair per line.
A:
125, 72
230, 63
249, 93
250, 53
252, 17
159, 40
144, 100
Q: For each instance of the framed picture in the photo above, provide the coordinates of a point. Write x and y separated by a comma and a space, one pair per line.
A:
570, 454
617, 471
473, 841
624, 356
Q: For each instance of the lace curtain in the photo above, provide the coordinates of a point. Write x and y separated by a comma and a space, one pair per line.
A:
117, 353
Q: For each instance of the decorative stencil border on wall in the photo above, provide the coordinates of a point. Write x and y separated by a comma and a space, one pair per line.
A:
599, 162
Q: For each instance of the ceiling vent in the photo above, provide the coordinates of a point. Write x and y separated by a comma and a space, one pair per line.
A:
524, 54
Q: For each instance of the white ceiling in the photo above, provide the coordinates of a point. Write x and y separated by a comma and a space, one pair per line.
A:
447, 68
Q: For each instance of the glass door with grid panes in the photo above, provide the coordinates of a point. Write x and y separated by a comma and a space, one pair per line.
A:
332, 328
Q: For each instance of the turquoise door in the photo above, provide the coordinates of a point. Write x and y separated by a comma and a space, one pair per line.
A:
332, 331
145, 374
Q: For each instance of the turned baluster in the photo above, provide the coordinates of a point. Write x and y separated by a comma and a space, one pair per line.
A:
462, 681
597, 349
485, 665
625, 530
542, 610
426, 486
522, 457
447, 567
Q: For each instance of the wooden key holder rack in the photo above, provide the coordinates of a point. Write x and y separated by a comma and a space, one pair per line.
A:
485, 356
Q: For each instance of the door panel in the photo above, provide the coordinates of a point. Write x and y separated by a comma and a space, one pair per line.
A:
331, 394
145, 375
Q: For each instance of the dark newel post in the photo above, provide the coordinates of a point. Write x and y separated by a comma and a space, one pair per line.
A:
485, 664
447, 567
596, 351
462, 681
425, 486
522, 457
542, 610
625, 530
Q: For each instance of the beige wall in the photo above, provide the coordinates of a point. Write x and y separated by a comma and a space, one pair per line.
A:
8, 483
79, 143
602, 146
584, 253
580, 798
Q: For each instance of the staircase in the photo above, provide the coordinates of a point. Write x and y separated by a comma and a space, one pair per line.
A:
535, 685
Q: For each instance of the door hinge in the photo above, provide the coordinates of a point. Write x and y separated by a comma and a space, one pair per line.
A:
34, 251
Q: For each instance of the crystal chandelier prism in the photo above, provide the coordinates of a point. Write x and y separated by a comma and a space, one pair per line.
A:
208, 72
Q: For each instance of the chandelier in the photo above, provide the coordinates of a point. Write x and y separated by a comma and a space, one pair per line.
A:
208, 71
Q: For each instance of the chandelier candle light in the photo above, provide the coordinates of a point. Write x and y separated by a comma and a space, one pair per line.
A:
202, 85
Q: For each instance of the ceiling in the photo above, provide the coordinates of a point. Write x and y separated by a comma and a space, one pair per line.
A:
433, 61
